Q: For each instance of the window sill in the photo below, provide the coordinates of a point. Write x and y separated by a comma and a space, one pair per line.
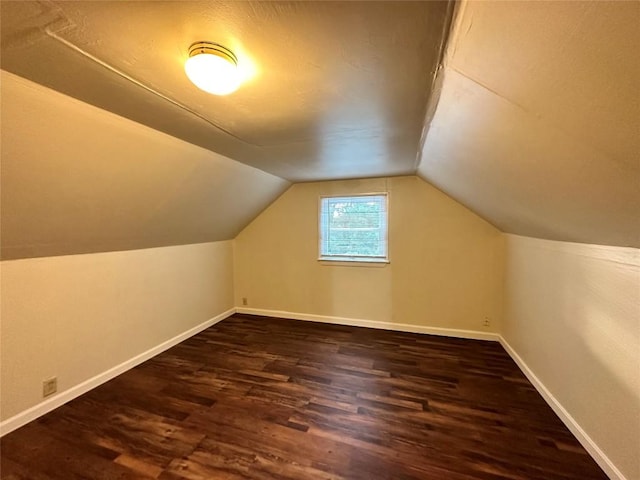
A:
360, 262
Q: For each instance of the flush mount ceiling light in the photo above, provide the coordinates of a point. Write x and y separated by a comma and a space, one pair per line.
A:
212, 68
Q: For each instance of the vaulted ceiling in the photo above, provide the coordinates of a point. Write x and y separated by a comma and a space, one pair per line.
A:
332, 90
525, 112
537, 127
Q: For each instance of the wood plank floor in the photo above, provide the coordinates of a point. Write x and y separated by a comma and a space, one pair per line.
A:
260, 398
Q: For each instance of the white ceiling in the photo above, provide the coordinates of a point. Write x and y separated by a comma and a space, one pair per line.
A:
532, 121
333, 89
537, 127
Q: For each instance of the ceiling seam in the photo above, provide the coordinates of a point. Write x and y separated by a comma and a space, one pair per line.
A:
138, 83
454, 10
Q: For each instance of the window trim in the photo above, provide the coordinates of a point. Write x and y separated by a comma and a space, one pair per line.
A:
366, 261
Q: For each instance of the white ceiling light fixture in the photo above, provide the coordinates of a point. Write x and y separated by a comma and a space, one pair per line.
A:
212, 68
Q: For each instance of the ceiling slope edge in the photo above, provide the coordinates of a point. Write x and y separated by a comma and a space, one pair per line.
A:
451, 32
448, 31
525, 152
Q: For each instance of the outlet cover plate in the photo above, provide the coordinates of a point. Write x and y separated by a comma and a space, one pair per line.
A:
49, 387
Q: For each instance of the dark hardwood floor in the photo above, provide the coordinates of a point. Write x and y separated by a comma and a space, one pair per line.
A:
264, 398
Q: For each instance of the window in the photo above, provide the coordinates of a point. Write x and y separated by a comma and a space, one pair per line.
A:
354, 229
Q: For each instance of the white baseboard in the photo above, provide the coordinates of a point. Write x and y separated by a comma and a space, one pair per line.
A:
589, 445
586, 441
61, 398
356, 322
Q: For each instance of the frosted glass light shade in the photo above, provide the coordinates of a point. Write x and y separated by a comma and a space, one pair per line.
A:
212, 68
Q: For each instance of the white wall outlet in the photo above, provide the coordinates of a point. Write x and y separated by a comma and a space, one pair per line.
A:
49, 387
244, 301
486, 322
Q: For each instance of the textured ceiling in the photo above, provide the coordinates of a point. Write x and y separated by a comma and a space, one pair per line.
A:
333, 89
533, 122
537, 127
77, 179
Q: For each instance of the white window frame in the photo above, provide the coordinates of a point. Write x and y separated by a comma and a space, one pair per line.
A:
351, 259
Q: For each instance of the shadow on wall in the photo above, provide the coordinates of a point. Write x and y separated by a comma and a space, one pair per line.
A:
573, 316
609, 339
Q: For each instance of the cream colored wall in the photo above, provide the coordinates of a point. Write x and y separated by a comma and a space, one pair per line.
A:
445, 265
572, 313
77, 316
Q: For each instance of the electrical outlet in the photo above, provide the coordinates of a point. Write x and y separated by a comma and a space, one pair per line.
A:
487, 322
244, 301
49, 387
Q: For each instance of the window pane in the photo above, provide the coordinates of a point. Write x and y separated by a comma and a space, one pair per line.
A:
354, 226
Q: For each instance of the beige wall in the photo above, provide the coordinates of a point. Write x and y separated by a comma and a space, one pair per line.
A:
77, 316
445, 262
572, 313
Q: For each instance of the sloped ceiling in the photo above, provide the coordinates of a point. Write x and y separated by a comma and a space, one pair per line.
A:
78, 179
537, 127
332, 90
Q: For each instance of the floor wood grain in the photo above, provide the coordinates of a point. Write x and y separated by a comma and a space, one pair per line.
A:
261, 398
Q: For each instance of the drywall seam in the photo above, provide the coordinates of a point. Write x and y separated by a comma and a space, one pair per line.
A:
455, 31
585, 440
60, 399
623, 255
357, 322
453, 9
138, 83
